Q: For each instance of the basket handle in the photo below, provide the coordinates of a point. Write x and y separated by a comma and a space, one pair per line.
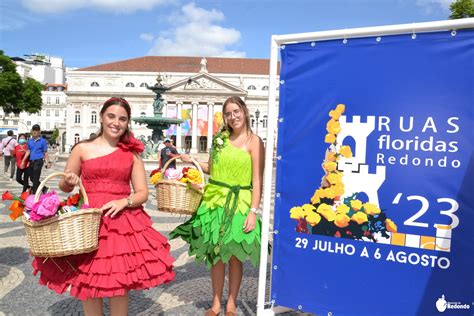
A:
192, 160
57, 174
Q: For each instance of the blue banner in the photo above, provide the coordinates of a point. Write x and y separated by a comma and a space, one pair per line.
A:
374, 206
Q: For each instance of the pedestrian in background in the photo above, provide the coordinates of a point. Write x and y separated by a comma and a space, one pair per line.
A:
7, 146
225, 229
22, 176
37, 154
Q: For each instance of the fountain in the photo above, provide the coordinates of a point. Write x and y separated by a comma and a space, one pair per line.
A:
156, 123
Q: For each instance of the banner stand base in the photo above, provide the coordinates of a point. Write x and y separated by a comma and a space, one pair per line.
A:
275, 311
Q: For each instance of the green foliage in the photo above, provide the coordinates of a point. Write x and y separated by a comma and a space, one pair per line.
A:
17, 95
55, 135
461, 9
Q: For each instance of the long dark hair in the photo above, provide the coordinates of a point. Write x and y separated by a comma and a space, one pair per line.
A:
113, 101
237, 100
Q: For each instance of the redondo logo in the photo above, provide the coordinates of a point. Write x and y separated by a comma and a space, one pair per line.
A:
442, 305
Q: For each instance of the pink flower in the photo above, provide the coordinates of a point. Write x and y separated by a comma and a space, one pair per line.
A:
30, 202
173, 174
48, 204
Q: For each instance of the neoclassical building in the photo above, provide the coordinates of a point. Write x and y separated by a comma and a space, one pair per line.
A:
197, 89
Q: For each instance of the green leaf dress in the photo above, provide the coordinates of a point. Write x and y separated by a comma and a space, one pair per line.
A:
215, 231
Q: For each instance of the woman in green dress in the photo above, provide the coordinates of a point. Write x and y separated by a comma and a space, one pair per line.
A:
225, 228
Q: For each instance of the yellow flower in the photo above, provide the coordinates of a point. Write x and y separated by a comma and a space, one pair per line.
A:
296, 212
359, 217
333, 127
315, 199
356, 205
334, 178
342, 220
330, 139
345, 151
326, 211
194, 176
156, 177
339, 188
341, 108
343, 209
332, 157
308, 208
371, 209
329, 166
313, 219
337, 112
390, 225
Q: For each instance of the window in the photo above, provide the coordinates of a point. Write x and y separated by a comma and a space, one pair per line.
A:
76, 138
48, 113
143, 114
48, 100
48, 126
94, 84
265, 121
251, 87
77, 117
94, 117
252, 121
130, 85
57, 100
143, 85
265, 88
56, 112
28, 123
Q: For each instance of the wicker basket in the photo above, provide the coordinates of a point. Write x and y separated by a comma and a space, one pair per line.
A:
69, 234
176, 197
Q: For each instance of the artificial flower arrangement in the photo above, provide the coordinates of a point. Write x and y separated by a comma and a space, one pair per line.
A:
326, 214
187, 175
48, 205
219, 141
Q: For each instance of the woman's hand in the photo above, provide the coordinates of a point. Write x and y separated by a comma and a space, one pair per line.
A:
114, 207
250, 221
185, 158
71, 178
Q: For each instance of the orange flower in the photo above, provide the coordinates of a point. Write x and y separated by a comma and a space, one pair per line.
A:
7, 196
24, 195
16, 209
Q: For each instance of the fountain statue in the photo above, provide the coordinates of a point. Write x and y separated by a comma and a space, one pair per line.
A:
156, 123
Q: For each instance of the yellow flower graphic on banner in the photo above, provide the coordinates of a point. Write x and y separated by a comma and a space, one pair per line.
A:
331, 212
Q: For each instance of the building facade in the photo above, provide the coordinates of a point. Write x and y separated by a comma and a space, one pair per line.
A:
197, 88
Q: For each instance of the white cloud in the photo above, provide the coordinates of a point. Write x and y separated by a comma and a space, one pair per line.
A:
196, 33
120, 6
147, 37
12, 18
429, 6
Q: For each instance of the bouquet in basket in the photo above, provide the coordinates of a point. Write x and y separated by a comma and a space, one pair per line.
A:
48, 205
188, 175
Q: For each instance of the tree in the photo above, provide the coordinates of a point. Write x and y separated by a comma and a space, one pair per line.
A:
55, 135
17, 95
461, 9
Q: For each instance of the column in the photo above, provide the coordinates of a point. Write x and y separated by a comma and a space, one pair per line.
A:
179, 106
194, 137
210, 117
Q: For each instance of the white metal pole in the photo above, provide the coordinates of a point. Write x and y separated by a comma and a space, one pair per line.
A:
376, 31
268, 175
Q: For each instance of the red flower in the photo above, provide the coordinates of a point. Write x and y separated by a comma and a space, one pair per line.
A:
155, 171
131, 144
7, 196
73, 200
337, 234
24, 195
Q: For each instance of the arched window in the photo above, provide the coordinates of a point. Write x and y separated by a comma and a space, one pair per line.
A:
265, 121
130, 85
77, 117
94, 84
143, 85
265, 88
251, 87
93, 117
77, 138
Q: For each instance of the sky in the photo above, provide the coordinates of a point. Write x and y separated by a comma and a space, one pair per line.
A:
92, 32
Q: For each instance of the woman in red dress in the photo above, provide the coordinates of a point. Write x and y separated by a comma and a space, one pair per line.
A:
19, 152
131, 255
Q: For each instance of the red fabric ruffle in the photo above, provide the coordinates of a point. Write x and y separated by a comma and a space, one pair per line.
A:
130, 143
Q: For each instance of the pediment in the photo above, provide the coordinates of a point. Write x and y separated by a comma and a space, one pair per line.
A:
204, 82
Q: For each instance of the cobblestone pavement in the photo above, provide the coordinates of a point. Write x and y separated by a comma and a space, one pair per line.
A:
189, 294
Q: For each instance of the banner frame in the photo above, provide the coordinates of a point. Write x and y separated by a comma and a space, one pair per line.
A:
278, 42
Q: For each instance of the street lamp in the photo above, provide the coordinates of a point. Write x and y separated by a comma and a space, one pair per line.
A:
257, 115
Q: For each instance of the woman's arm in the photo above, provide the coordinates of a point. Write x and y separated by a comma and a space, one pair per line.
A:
72, 170
257, 153
205, 166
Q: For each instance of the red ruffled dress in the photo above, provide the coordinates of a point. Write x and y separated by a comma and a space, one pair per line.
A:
131, 255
